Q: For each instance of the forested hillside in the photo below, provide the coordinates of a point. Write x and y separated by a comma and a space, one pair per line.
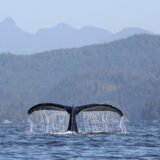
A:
125, 73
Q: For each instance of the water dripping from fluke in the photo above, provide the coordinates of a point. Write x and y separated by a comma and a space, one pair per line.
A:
122, 125
51, 118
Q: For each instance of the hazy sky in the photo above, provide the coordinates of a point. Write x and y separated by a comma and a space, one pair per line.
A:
113, 15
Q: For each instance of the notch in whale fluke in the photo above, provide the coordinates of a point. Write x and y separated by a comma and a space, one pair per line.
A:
74, 111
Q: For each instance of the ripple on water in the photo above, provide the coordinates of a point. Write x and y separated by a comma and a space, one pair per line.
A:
141, 142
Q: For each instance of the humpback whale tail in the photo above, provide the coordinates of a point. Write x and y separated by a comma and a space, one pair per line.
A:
74, 111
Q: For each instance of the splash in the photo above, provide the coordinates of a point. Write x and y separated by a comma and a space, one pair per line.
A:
48, 122
56, 122
100, 122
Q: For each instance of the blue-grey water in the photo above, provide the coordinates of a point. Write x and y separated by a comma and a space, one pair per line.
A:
140, 142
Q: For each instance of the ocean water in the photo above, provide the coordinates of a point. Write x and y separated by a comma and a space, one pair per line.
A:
140, 142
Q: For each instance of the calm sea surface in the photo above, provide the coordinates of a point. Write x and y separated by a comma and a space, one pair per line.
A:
140, 142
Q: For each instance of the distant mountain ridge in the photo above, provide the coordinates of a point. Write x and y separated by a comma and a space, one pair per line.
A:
15, 40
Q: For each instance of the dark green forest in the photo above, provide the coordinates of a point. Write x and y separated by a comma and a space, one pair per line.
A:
124, 73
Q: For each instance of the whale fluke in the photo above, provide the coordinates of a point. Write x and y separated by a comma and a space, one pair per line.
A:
49, 106
74, 111
99, 107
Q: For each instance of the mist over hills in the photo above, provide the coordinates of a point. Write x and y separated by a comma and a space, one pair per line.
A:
15, 40
124, 73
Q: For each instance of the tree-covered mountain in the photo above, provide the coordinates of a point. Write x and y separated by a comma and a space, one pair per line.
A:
15, 40
124, 73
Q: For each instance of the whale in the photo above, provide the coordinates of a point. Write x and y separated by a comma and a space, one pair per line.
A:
73, 111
